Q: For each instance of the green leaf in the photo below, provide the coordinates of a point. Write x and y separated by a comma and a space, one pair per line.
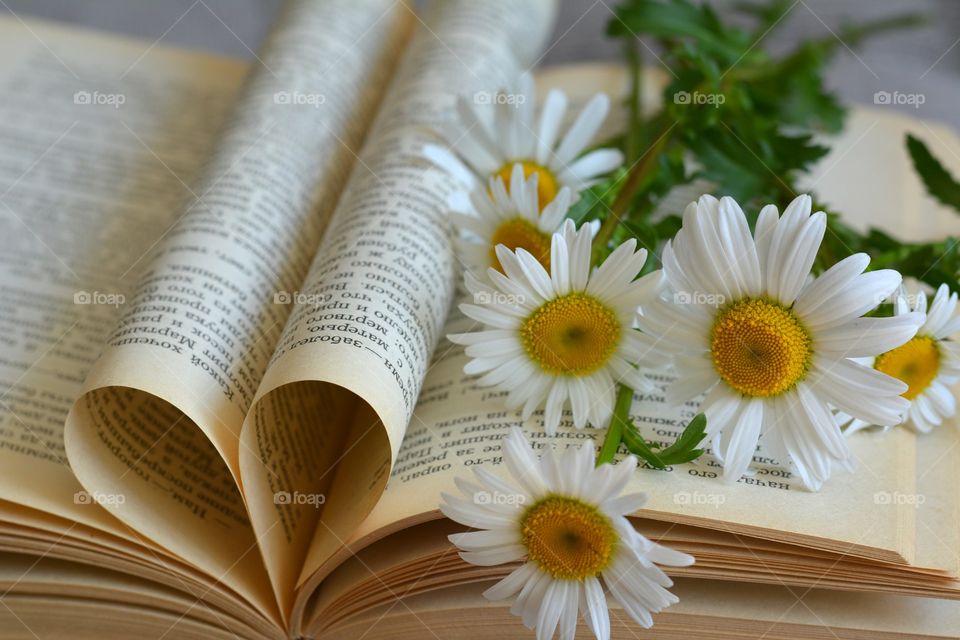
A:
679, 19
683, 450
746, 122
940, 184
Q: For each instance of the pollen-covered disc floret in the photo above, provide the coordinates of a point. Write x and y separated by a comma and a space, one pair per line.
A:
520, 234
563, 336
775, 350
929, 363
567, 538
916, 363
492, 137
571, 335
759, 347
510, 217
565, 520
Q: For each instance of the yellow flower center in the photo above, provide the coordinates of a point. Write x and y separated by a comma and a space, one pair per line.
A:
759, 347
915, 363
520, 234
573, 335
567, 538
546, 183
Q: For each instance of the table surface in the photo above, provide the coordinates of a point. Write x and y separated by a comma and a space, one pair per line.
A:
924, 60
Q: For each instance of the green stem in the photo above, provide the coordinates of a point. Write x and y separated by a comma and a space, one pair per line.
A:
635, 179
636, 130
621, 412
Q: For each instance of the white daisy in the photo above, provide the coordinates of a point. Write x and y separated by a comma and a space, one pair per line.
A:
560, 336
566, 520
929, 362
771, 345
492, 145
510, 217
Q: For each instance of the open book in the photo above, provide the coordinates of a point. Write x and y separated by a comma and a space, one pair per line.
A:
228, 406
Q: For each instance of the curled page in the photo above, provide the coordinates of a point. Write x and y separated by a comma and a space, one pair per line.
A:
376, 297
161, 411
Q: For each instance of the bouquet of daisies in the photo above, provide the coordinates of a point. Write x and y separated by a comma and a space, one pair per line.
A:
578, 292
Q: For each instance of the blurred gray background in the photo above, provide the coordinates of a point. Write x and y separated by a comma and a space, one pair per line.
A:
924, 60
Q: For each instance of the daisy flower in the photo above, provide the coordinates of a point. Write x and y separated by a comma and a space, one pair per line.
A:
772, 347
563, 335
510, 217
491, 146
566, 521
929, 362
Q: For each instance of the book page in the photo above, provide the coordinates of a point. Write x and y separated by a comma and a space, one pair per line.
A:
160, 414
458, 425
383, 280
96, 143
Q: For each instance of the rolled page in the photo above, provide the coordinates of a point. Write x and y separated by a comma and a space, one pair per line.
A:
358, 344
161, 411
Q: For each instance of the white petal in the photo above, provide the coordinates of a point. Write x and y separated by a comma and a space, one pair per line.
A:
763, 234
625, 504
830, 282
554, 108
866, 337
581, 133
941, 398
512, 583
551, 609
783, 236
589, 166
863, 293
876, 409
942, 309
490, 316
743, 440
737, 239
522, 462
555, 401
495, 556
796, 264
475, 540
595, 612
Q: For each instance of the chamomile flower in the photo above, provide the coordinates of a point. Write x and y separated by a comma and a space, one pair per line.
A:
928, 363
491, 146
510, 217
773, 348
566, 521
563, 335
